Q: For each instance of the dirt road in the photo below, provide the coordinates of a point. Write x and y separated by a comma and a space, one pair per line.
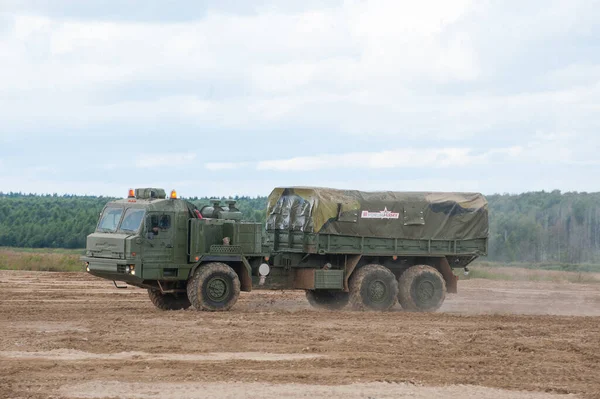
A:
74, 336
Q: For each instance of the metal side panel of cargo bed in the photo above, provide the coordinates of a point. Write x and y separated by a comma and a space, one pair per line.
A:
297, 241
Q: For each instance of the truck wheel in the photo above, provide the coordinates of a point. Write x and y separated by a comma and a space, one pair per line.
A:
332, 300
422, 289
168, 301
213, 287
373, 287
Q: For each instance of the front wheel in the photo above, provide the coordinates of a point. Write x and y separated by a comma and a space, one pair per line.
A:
332, 300
373, 287
214, 287
422, 289
168, 301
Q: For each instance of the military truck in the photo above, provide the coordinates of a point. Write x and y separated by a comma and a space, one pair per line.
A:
369, 250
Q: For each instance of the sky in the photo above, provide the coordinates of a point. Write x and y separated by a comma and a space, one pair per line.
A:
220, 98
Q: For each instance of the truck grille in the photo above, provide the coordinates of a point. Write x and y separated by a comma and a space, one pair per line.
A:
226, 249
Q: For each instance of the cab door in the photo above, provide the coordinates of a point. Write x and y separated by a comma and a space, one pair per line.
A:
158, 240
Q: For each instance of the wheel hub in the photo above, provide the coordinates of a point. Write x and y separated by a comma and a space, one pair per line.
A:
377, 291
425, 291
217, 289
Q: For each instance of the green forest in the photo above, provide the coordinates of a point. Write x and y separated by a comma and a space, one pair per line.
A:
533, 227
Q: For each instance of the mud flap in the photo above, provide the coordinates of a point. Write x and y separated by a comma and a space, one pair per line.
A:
451, 280
246, 276
351, 262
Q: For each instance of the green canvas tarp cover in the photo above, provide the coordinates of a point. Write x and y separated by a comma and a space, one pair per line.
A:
413, 215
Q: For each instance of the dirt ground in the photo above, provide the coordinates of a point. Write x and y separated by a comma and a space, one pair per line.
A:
70, 335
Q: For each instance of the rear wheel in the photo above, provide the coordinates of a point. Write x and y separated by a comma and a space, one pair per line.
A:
332, 300
214, 287
373, 287
422, 289
168, 301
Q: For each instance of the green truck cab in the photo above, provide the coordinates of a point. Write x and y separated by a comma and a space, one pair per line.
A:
369, 249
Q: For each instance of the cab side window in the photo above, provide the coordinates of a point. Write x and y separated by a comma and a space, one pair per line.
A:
164, 222
158, 225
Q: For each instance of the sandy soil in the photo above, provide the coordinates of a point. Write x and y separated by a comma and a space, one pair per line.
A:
69, 335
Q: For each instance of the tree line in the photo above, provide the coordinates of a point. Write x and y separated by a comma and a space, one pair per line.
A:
53, 221
531, 227
545, 227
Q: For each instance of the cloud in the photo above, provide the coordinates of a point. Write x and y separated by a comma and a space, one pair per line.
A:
358, 67
311, 92
572, 74
321, 50
545, 149
147, 161
215, 166
401, 158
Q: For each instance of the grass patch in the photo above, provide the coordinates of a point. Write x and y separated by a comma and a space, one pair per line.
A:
495, 271
44, 250
52, 260
486, 274
563, 267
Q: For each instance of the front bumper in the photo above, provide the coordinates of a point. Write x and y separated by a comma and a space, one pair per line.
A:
114, 269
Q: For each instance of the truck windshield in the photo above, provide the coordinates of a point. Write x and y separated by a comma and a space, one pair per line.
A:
110, 220
132, 220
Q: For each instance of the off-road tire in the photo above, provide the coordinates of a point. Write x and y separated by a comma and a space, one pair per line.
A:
373, 287
332, 300
422, 289
213, 287
168, 301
